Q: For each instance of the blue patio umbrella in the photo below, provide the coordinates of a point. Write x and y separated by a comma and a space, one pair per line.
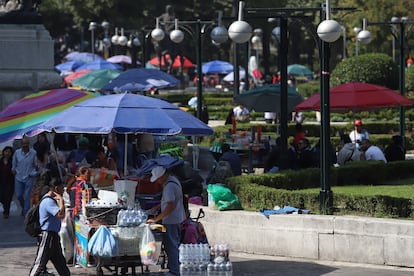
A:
83, 56
99, 65
217, 66
126, 113
139, 79
68, 66
132, 87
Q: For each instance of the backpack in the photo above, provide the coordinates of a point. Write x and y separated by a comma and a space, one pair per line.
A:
31, 221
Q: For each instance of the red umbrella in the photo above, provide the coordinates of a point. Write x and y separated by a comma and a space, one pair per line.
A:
176, 64
75, 75
186, 64
357, 96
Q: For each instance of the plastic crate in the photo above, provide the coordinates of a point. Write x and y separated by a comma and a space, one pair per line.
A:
129, 246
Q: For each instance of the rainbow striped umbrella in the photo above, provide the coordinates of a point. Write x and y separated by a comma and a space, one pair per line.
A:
23, 116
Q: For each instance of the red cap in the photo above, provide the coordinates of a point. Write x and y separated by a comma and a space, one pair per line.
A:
358, 122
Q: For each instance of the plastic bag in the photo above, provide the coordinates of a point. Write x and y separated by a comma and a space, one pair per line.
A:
148, 248
223, 198
67, 236
103, 243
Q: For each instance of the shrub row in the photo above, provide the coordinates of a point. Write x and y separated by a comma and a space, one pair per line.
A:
287, 188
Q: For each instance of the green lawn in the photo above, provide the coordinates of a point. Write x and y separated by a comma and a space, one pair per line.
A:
401, 188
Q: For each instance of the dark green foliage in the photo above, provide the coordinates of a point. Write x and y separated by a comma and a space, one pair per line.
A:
309, 88
370, 68
409, 79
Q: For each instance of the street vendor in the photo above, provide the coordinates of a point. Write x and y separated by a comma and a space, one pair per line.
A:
172, 214
80, 185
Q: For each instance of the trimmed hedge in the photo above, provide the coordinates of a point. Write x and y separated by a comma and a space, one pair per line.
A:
287, 188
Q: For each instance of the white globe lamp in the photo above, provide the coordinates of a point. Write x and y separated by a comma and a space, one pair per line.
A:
329, 30
157, 34
240, 31
219, 34
364, 37
177, 36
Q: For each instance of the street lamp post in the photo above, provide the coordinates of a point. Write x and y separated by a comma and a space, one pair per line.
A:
239, 32
356, 31
328, 31
133, 43
401, 24
92, 28
177, 36
106, 41
119, 40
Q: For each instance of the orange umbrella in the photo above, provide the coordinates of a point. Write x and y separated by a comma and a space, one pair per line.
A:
69, 78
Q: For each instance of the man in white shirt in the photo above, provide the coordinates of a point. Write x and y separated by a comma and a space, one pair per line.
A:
371, 152
358, 134
241, 113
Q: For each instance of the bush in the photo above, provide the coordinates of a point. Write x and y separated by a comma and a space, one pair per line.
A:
409, 79
287, 188
370, 68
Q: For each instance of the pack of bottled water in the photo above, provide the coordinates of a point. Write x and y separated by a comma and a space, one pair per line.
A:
131, 217
201, 260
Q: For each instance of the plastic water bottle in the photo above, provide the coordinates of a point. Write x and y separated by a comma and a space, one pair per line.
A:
182, 253
229, 269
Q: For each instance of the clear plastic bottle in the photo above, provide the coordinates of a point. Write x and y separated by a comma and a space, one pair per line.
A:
210, 269
66, 198
229, 269
181, 253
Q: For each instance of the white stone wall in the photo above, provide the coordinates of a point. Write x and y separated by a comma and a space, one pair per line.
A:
331, 238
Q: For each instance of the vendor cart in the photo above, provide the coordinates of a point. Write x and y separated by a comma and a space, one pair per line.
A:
129, 242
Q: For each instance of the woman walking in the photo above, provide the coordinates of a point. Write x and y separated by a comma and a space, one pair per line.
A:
6, 180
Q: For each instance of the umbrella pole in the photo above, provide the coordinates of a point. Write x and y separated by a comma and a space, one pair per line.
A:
125, 154
196, 153
51, 138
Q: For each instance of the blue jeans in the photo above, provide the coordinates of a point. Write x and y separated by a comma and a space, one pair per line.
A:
172, 243
23, 190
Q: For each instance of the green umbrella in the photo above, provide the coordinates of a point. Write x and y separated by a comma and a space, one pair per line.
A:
299, 70
267, 98
95, 80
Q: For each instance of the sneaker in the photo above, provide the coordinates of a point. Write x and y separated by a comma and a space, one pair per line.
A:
47, 274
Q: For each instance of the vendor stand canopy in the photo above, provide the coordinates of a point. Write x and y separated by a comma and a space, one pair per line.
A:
26, 114
267, 98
